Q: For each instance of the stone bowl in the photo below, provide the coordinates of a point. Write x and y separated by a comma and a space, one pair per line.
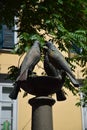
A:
41, 85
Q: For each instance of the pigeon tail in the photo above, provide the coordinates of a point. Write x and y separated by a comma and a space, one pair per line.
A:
60, 95
14, 93
73, 80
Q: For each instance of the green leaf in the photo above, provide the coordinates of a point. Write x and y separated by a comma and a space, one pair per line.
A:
60, 1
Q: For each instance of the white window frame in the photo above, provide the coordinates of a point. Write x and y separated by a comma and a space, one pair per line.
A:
15, 105
84, 118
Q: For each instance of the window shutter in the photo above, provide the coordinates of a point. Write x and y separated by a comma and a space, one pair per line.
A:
1, 37
8, 37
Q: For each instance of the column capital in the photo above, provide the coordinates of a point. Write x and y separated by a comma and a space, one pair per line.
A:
42, 100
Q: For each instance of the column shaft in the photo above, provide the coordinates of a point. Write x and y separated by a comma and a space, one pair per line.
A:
42, 113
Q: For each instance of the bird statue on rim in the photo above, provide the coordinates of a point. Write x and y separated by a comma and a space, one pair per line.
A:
60, 74
30, 60
59, 62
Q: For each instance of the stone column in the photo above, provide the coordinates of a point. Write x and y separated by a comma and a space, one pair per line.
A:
42, 113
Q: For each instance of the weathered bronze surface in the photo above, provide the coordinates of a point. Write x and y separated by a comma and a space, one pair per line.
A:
41, 85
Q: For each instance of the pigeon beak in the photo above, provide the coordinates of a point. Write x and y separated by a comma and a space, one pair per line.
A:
45, 47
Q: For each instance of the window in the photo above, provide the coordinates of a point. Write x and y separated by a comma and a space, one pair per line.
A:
8, 107
6, 37
84, 116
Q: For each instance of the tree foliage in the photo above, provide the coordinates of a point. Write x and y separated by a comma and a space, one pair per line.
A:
65, 22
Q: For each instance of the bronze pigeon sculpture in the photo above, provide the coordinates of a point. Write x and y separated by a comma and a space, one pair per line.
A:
30, 60
52, 71
59, 62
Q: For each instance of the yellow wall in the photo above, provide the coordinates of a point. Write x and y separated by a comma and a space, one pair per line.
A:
7, 60
66, 116
24, 112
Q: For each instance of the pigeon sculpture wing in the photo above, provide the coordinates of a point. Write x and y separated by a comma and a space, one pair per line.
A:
59, 62
30, 60
52, 71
